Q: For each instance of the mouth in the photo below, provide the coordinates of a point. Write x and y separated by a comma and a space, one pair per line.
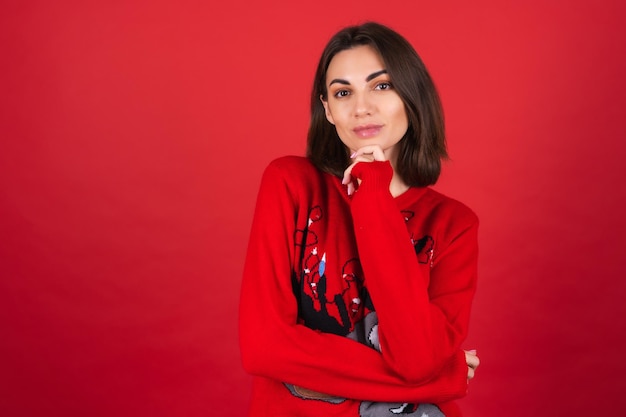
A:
367, 131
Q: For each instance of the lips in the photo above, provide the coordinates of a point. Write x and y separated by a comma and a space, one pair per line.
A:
367, 131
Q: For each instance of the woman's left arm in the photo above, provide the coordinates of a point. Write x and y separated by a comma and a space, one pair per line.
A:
423, 318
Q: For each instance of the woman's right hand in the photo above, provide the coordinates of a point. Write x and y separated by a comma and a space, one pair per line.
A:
472, 363
365, 154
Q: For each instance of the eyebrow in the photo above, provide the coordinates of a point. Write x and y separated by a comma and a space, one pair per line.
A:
367, 79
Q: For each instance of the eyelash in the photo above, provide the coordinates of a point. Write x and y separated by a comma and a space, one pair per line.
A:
387, 84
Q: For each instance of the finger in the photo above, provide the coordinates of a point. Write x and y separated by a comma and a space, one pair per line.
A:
473, 362
471, 359
347, 179
363, 158
375, 150
470, 373
347, 174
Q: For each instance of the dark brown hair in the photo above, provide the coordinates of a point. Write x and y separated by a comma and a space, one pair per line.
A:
423, 146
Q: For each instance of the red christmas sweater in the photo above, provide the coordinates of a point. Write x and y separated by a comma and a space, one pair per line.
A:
355, 305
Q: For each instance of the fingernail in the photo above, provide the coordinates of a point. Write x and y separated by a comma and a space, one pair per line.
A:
473, 351
353, 155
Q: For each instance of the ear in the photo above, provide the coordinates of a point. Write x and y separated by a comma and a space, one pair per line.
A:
329, 116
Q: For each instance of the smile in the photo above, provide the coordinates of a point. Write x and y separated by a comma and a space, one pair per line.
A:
367, 131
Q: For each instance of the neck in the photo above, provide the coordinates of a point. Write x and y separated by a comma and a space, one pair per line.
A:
397, 186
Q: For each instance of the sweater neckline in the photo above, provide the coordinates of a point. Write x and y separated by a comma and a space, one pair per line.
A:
410, 195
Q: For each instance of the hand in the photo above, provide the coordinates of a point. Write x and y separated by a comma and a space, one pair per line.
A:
365, 154
472, 363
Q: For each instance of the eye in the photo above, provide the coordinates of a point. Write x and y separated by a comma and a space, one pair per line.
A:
383, 86
341, 93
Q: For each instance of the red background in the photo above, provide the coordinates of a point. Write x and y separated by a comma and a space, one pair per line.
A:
133, 137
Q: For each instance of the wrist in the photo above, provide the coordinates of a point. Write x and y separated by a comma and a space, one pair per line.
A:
374, 176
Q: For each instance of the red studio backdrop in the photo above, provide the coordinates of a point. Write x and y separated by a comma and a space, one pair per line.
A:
132, 140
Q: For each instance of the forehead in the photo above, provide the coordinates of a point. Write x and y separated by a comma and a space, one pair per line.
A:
355, 64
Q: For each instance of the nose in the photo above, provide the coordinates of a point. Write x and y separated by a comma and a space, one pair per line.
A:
363, 105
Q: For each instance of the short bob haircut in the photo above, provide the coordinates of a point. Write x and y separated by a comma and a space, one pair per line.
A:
423, 146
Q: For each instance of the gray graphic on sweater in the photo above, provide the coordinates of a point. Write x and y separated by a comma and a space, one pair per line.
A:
366, 331
368, 409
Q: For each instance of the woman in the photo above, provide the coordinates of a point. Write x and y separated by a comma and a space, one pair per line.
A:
359, 277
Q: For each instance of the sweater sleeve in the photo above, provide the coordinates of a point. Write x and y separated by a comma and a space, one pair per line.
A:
423, 315
274, 345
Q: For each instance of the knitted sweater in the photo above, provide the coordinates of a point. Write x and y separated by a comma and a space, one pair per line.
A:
355, 305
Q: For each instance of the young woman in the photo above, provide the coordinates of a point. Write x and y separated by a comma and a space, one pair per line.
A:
359, 278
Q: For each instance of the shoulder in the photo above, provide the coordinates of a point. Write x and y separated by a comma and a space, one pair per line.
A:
295, 172
448, 207
291, 164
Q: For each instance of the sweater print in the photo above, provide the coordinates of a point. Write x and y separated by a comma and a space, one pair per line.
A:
346, 310
355, 306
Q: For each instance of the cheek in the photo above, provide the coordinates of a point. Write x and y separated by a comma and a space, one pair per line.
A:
394, 108
339, 118
400, 114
